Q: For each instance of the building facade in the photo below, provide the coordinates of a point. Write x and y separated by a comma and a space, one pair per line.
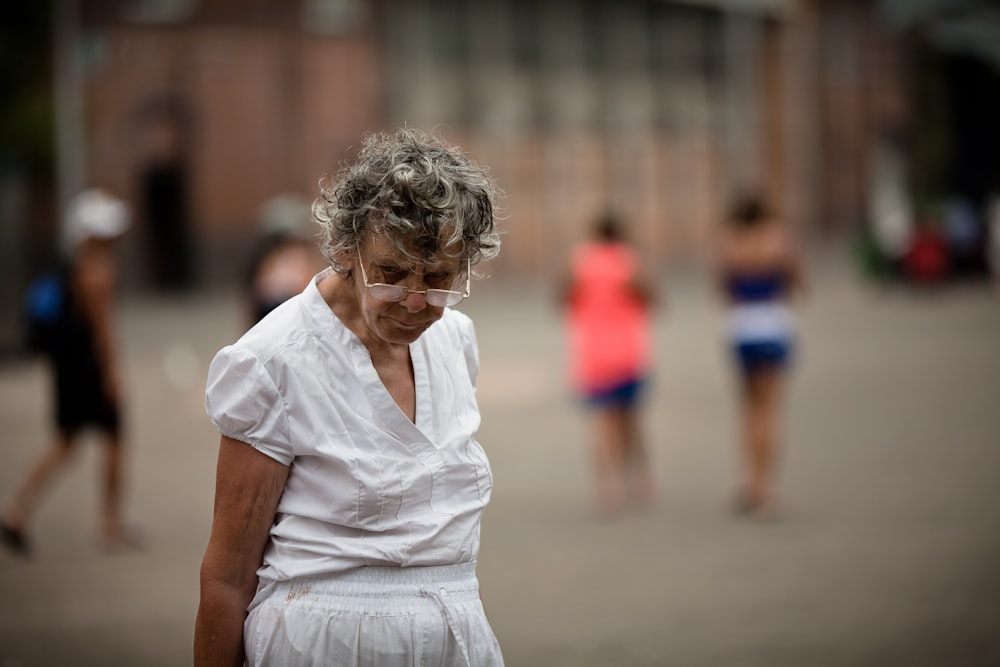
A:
658, 110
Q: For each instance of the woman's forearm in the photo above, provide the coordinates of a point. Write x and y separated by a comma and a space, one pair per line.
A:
218, 630
248, 487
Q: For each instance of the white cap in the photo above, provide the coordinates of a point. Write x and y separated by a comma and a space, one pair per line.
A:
94, 213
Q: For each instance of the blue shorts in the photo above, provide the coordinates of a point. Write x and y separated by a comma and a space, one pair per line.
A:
624, 394
764, 354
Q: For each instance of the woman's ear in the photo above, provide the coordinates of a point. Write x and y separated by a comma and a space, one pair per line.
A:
346, 258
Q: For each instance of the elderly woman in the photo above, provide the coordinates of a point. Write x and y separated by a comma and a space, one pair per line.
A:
350, 485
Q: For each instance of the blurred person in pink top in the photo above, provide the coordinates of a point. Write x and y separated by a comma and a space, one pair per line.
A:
608, 296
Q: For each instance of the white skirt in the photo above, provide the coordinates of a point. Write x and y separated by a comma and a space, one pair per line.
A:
766, 321
372, 617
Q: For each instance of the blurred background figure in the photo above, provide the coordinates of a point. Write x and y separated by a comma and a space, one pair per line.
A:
607, 296
890, 212
285, 258
993, 236
81, 345
965, 237
758, 270
927, 261
164, 196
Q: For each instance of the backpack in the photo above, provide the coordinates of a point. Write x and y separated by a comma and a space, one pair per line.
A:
46, 306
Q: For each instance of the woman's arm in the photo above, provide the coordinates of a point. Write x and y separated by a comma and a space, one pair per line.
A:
793, 266
643, 282
247, 489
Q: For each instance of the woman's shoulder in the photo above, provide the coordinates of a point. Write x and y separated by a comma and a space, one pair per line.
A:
281, 330
596, 258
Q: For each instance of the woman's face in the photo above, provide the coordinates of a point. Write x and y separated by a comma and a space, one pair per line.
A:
400, 322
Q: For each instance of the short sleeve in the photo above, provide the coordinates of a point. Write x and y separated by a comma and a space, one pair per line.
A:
470, 347
244, 404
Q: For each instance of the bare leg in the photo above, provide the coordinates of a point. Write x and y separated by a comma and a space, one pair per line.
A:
116, 535
643, 482
28, 494
761, 404
112, 527
609, 461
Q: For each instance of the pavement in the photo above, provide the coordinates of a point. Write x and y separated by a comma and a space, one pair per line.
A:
887, 551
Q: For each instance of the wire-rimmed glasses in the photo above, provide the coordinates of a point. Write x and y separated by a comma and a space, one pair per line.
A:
434, 297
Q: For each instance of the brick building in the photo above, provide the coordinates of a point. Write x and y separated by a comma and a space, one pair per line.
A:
660, 110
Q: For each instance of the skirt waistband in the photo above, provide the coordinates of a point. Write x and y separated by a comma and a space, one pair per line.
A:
381, 582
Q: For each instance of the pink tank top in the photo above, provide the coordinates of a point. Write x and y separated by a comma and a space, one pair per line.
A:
608, 324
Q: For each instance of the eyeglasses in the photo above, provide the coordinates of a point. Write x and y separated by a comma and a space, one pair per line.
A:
434, 297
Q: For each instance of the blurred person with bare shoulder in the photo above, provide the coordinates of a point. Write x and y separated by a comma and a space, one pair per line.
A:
285, 259
607, 295
350, 486
758, 271
81, 346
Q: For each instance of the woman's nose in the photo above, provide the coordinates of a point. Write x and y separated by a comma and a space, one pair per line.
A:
414, 302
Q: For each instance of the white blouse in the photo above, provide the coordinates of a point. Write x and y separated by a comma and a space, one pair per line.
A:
366, 486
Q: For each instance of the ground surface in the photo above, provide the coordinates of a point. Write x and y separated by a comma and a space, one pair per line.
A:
887, 553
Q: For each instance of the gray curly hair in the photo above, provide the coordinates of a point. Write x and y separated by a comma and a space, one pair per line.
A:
426, 196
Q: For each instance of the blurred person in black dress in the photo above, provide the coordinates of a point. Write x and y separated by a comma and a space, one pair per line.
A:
84, 358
